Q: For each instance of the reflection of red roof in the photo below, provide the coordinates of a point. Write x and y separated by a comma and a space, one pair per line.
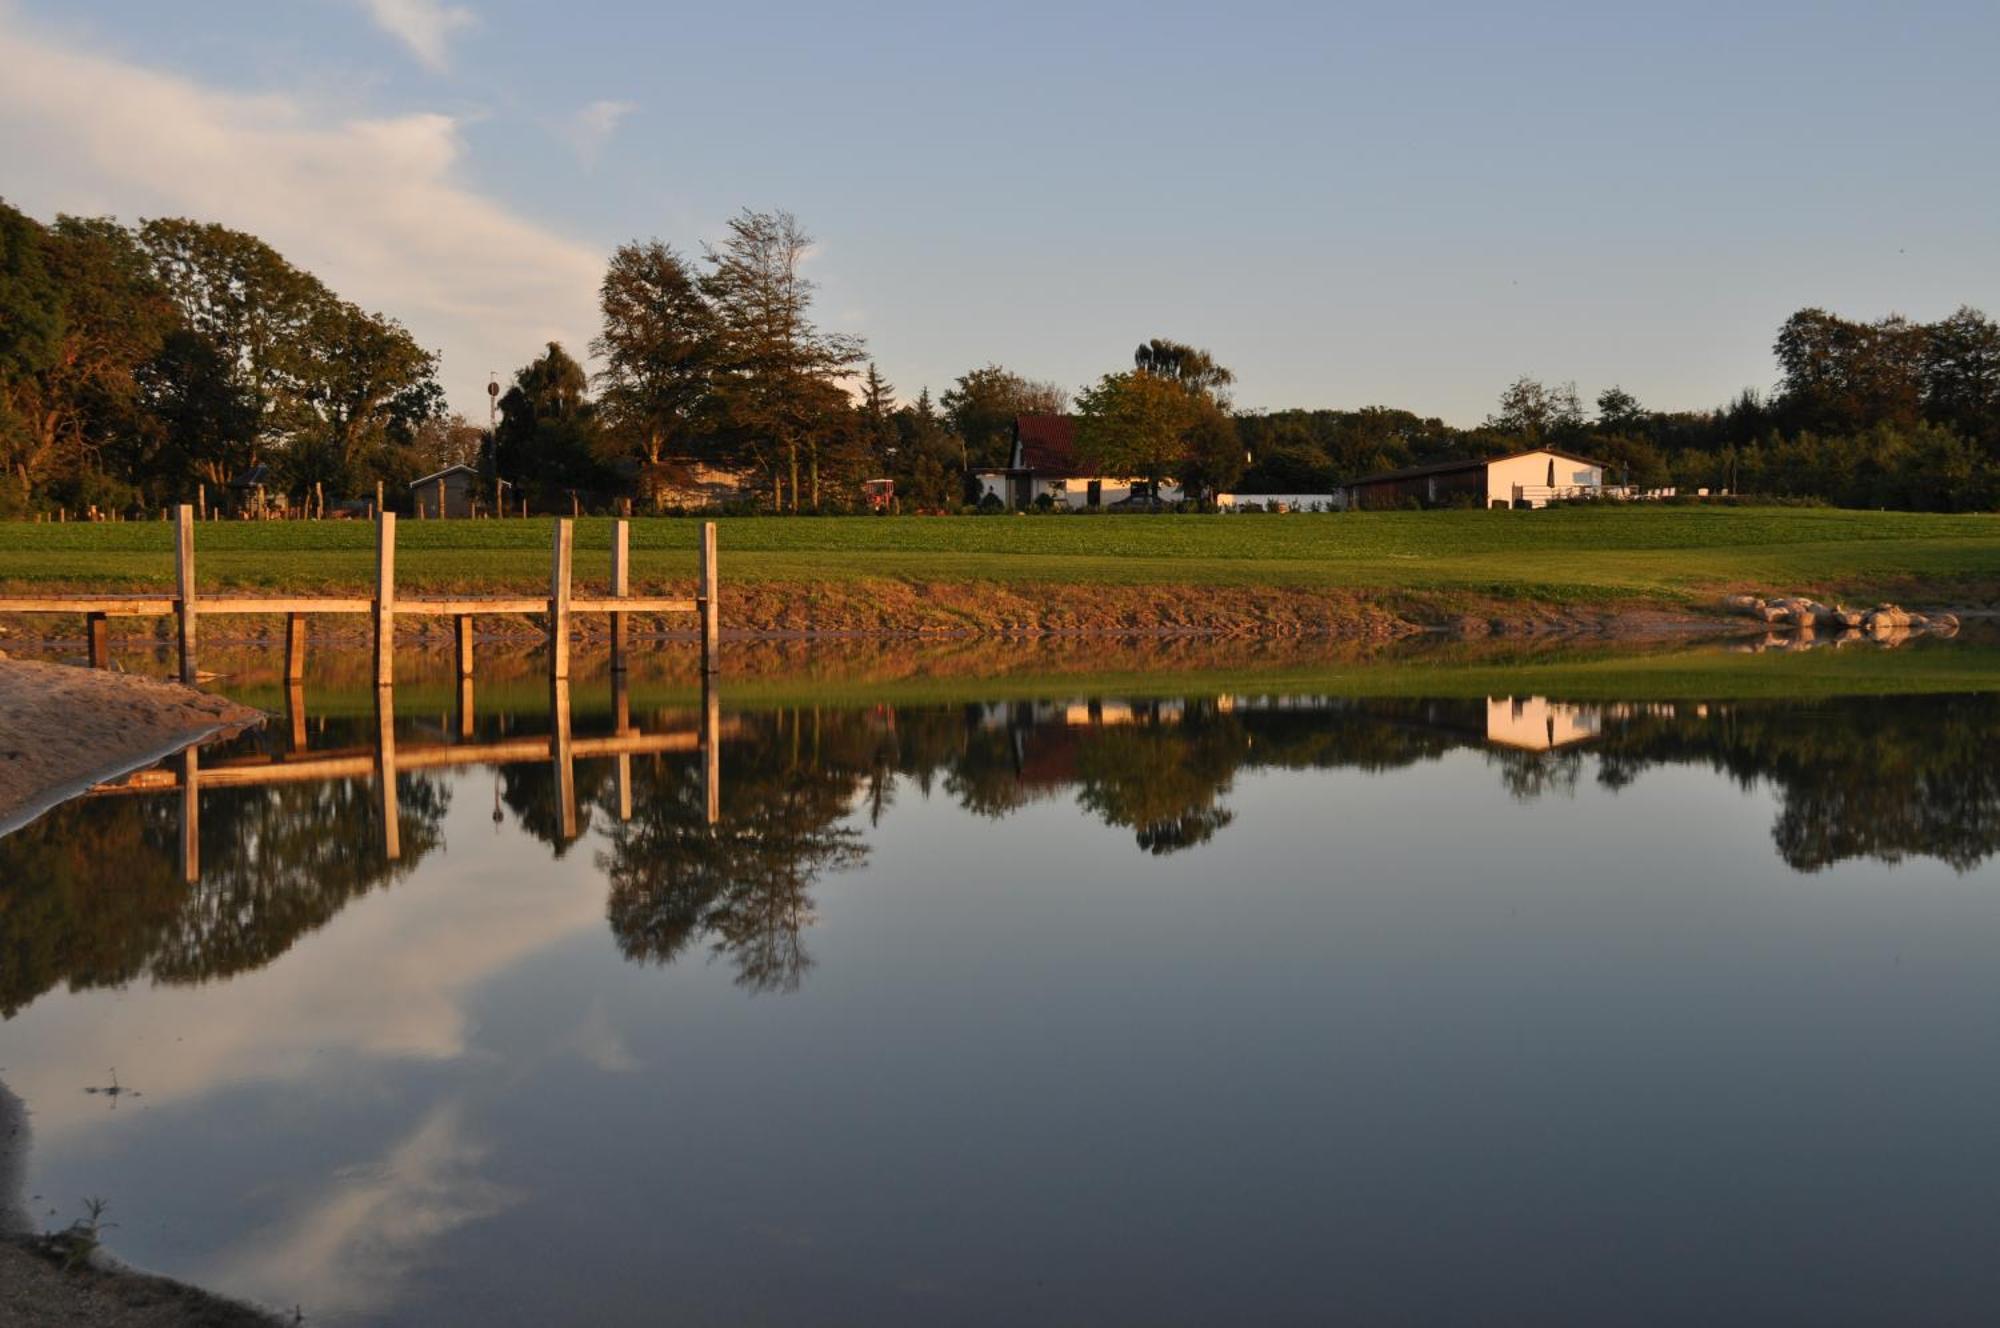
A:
1047, 444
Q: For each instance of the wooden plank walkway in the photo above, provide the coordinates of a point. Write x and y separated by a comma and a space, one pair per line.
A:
188, 606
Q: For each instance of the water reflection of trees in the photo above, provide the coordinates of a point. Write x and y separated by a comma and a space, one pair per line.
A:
90, 895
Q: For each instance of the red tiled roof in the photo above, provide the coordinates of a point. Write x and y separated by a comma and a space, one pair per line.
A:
1048, 444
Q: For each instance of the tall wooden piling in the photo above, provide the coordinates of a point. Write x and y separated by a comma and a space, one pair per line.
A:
184, 607
385, 770
191, 814
711, 630
295, 712
621, 587
559, 583
562, 750
462, 638
295, 647
99, 630
385, 599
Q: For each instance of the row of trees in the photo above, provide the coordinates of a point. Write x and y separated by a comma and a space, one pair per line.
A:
139, 362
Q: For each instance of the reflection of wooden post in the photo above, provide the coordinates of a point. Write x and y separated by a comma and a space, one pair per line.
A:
711, 629
463, 625
559, 569
621, 706
562, 749
385, 599
621, 586
385, 739
184, 587
295, 710
99, 630
190, 814
295, 647
711, 749
465, 711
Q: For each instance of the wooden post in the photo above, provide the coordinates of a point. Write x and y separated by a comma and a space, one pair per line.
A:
184, 587
295, 711
621, 586
385, 599
562, 749
442, 514
463, 632
575, 506
319, 501
98, 628
621, 706
379, 508
385, 740
190, 816
711, 749
295, 647
559, 569
466, 713
201, 500
711, 629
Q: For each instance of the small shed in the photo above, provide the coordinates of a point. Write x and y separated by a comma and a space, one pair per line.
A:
450, 492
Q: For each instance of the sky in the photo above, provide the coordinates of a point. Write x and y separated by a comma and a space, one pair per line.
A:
1401, 204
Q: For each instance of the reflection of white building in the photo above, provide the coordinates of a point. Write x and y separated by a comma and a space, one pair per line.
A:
1537, 724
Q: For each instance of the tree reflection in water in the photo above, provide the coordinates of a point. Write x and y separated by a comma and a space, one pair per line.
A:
90, 895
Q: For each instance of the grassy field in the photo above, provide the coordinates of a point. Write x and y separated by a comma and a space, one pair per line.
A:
1663, 554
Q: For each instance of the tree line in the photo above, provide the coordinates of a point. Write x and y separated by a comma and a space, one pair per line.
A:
140, 362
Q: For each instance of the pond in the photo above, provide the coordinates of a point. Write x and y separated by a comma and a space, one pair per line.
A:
1230, 1006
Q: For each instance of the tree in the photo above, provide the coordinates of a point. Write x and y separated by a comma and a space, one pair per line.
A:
1193, 368
1537, 414
776, 366
547, 436
878, 410
1135, 424
1618, 411
1961, 376
983, 404
659, 347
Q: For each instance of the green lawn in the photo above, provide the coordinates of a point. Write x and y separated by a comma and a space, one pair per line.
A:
1576, 554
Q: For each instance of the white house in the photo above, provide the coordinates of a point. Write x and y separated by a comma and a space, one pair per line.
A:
1044, 465
1524, 479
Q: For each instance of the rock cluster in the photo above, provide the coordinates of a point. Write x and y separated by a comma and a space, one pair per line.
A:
1884, 620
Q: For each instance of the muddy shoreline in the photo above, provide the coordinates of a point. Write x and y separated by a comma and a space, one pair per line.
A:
63, 729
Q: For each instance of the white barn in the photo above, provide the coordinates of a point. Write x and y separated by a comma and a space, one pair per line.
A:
1533, 478
1044, 464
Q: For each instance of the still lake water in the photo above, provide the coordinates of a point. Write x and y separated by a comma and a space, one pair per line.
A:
1234, 1008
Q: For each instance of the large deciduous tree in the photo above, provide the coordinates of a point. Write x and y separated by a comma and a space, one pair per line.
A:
660, 348
779, 374
983, 404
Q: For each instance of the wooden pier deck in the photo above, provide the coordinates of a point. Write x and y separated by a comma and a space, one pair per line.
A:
187, 606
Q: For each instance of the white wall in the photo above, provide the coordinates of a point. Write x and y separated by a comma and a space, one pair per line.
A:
1531, 472
1075, 493
1291, 502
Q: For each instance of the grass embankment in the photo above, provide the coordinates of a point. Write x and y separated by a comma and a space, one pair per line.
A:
1298, 572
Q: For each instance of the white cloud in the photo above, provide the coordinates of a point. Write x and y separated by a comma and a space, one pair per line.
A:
375, 207
349, 1250
425, 26
592, 127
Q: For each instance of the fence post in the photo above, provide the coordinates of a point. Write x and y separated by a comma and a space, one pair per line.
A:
385, 599
621, 586
559, 569
184, 588
711, 631
295, 647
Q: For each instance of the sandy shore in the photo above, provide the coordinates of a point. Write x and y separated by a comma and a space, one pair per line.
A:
63, 729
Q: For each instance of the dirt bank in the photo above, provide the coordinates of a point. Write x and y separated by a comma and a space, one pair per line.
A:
38, 1291
890, 608
63, 729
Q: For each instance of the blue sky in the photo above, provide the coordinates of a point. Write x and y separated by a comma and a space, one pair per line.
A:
1351, 205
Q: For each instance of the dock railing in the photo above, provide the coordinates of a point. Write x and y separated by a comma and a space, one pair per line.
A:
188, 605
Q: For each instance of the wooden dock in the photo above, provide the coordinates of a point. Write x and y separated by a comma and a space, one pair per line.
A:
382, 760
187, 605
